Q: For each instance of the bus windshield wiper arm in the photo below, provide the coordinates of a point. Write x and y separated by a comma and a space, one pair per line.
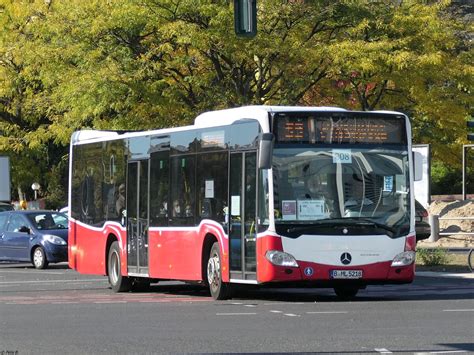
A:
342, 221
376, 224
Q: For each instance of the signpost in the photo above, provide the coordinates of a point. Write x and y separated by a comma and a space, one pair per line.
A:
5, 183
465, 147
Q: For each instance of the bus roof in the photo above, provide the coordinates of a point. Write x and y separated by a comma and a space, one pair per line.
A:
260, 113
213, 119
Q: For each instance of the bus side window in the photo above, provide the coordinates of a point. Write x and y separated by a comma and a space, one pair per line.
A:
159, 188
212, 185
183, 190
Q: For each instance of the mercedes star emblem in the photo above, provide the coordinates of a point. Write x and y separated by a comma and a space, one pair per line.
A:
346, 258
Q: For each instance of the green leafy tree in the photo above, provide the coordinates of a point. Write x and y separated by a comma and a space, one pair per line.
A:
140, 64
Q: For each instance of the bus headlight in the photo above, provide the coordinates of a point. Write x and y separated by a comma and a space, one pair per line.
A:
405, 258
280, 258
53, 239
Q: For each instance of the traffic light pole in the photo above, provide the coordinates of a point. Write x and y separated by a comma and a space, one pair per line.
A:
464, 168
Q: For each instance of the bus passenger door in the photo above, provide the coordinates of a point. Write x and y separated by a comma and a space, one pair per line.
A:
243, 211
137, 217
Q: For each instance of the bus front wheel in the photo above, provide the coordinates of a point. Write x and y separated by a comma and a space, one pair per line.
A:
118, 282
219, 290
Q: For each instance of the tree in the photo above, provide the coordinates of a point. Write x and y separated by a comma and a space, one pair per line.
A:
140, 64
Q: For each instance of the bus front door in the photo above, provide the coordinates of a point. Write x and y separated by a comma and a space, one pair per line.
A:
243, 212
137, 217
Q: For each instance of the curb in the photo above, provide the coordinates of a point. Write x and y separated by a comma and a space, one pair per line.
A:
445, 274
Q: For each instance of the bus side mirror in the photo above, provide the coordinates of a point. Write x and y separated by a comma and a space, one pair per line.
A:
417, 166
265, 147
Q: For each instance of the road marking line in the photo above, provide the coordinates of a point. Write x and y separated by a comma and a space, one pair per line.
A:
458, 310
292, 315
110, 302
328, 312
276, 311
250, 305
235, 314
65, 302
443, 352
30, 271
48, 281
383, 351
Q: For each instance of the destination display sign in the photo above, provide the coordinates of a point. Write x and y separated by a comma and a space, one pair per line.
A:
350, 129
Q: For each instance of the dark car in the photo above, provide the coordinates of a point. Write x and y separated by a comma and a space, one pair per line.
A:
36, 236
422, 226
5, 207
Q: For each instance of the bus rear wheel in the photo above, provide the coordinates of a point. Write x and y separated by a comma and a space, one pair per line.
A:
118, 282
219, 290
346, 292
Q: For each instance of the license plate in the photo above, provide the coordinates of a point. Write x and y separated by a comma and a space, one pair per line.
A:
346, 274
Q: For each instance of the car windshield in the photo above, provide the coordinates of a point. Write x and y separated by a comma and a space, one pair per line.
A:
5, 207
48, 220
357, 186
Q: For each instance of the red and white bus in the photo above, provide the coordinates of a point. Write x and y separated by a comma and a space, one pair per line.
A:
256, 195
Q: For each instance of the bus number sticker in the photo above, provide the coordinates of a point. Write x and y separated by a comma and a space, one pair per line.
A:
342, 156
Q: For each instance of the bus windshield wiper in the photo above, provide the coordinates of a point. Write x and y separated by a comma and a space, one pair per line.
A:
342, 221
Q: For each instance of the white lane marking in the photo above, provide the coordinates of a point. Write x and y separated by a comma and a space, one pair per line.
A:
383, 351
291, 315
250, 305
279, 303
30, 271
442, 352
48, 281
273, 311
109, 302
236, 303
458, 310
328, 312
235, 314
64, 302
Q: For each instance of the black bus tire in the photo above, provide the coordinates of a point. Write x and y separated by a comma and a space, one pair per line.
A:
346, 292
219, 290
117, 282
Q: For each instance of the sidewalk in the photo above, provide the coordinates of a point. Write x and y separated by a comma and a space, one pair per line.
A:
465, 275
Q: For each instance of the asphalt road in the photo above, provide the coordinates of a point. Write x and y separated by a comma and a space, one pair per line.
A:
58, 311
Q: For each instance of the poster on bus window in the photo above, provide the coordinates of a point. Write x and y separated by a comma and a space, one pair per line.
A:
288, 210
310, 210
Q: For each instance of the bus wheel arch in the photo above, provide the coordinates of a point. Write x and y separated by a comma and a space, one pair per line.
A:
209, 241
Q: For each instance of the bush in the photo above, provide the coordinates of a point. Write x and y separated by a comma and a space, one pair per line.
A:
432, 257
445, 180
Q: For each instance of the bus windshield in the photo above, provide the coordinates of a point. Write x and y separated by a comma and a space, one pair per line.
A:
318, 186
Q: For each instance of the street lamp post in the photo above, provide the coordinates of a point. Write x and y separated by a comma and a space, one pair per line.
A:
35, 186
